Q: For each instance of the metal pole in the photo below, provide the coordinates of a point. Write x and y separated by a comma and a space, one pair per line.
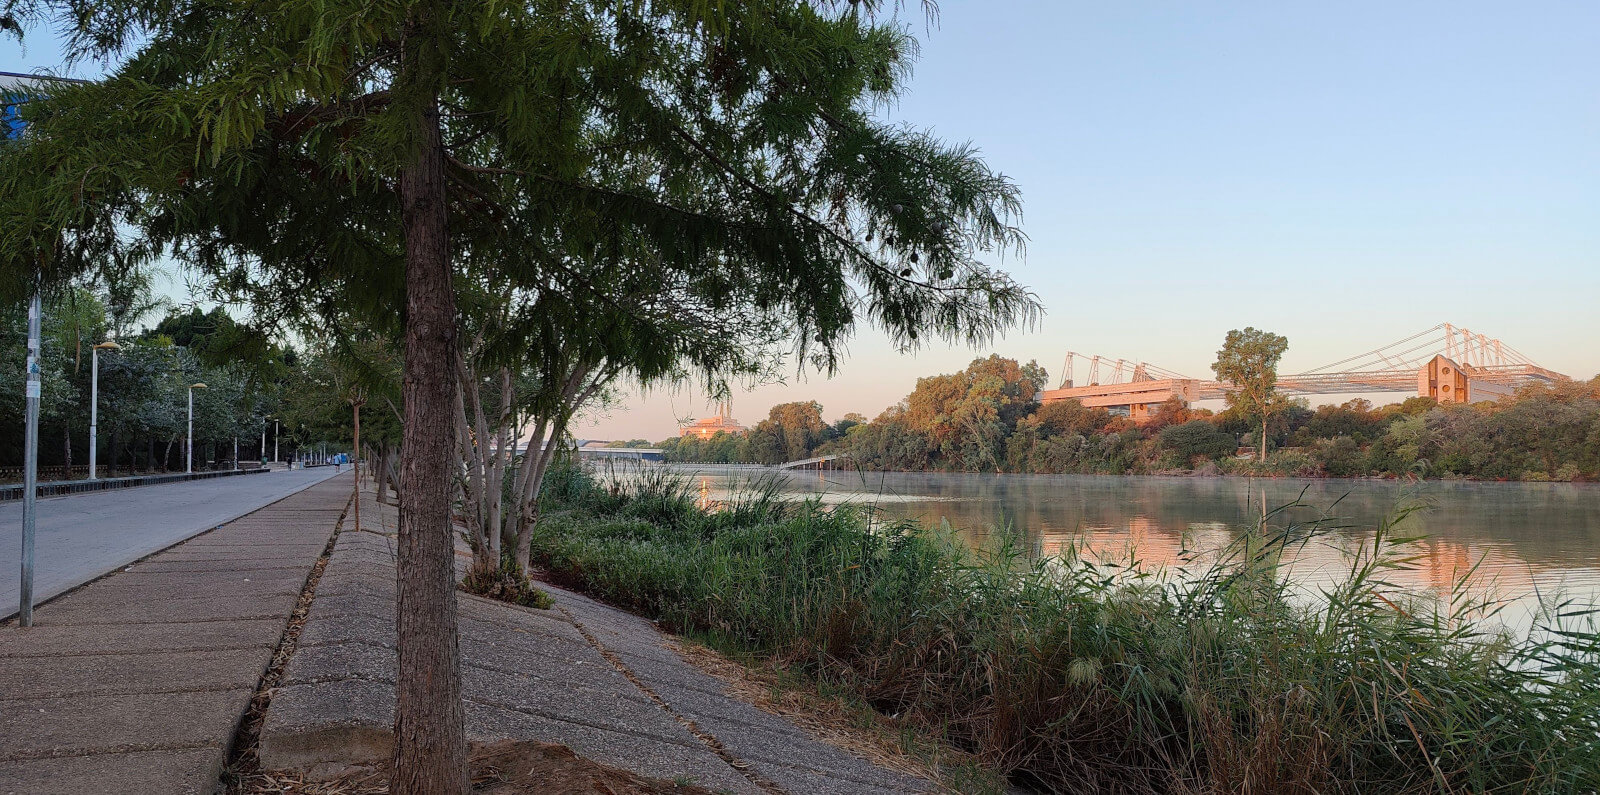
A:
188, 439
263, 449
236, 454
30, 465
94, 404
357, 461
274, 441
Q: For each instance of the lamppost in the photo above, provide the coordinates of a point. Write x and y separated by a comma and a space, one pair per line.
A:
94, 399
188, 441
275, 432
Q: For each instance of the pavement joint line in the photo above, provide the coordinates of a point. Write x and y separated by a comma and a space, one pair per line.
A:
523, 709
106, 750
10, 620
707, 739
131, 652
168, 691
135, 623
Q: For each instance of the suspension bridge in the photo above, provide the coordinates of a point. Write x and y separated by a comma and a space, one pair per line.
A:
1448, 363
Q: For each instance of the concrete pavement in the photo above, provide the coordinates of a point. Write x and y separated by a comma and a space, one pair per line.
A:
83, 536
599, 680
136, 682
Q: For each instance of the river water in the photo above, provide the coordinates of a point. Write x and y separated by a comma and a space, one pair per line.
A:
1514, 542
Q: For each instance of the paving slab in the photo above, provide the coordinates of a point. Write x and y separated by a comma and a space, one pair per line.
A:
209, 669
328, 725
183, 772
90, 607
77, 725
70, 640
181, 566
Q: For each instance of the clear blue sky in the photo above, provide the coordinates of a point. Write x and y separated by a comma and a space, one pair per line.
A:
1343, 174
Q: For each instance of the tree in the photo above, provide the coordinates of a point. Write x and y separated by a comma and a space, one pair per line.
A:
1248, 363
321, 159
789, 433
1196, 438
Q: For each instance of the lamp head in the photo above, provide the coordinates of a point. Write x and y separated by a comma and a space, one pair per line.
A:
108, 345
197, 386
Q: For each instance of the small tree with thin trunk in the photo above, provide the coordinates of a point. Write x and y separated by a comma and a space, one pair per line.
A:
1248, 363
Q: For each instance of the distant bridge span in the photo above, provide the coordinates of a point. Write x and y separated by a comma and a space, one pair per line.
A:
1447, 363
805, 462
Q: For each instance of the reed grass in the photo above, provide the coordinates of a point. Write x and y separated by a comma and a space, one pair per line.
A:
1068, 675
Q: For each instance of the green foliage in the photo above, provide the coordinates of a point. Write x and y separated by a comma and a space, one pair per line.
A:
143, 385
1248, 362
507, 584
789, 433
605, 162
1070, 675
1543, 433
1197, 439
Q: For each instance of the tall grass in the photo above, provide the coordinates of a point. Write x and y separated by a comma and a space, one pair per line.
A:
1072, 676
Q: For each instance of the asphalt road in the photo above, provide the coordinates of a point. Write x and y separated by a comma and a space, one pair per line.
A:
82, 536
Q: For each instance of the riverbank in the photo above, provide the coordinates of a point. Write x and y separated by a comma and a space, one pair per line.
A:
1067, 675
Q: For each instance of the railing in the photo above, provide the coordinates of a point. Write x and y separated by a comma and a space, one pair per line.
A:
58, 472
62, 487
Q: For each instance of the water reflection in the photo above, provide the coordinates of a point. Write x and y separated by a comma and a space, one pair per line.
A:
1519, 540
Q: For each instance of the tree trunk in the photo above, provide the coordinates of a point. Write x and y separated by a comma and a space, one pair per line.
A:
383, 473
66, 451
166, 457
1261, 452
430, 753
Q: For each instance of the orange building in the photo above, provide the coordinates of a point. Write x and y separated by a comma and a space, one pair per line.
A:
707, 427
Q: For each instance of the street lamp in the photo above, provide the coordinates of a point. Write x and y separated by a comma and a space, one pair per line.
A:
94, 399
188, 441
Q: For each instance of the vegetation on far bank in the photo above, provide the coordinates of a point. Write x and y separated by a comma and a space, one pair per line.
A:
1073, 676
985, 419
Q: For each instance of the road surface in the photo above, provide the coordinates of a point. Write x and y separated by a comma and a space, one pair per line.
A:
82, 536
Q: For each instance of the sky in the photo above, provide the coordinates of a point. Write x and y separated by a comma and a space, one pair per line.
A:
1342, 174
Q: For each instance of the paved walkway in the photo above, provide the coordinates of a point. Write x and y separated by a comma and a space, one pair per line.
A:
83, 536
136, 683
596, 679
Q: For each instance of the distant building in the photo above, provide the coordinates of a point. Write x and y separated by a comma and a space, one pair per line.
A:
707, 427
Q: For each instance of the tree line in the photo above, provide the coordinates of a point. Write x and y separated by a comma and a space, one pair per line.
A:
986, 418
269, 397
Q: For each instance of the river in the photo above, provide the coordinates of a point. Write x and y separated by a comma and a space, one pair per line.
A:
1521, 541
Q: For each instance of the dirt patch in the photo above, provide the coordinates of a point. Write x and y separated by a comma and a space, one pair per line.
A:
502, 768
